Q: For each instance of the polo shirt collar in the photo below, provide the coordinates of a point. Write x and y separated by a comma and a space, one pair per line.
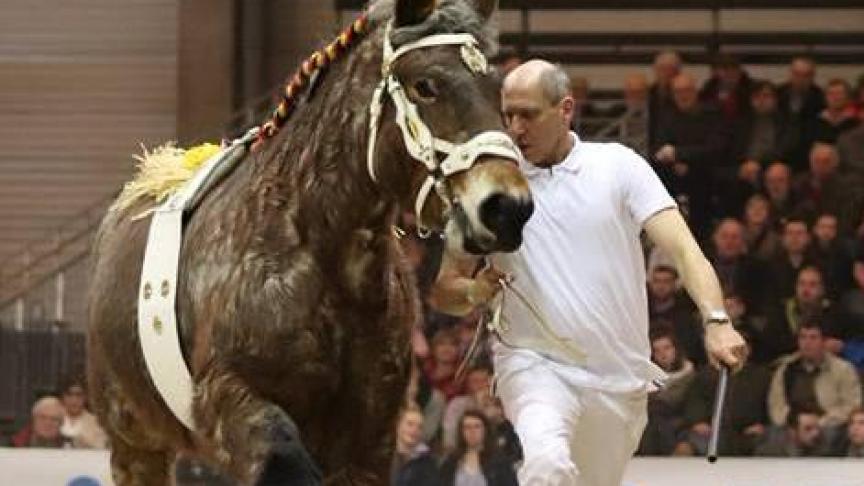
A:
571, 163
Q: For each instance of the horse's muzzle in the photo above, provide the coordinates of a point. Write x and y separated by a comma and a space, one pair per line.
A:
505, 216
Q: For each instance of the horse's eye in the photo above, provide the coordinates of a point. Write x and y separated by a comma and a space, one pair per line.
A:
426, 90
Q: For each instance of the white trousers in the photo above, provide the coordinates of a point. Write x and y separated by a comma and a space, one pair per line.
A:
571, 435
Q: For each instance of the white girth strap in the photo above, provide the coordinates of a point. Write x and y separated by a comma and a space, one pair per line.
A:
157, 297
421, 144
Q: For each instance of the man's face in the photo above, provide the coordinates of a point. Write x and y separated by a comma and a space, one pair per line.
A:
856, 429
823, 163
764, 101
811, 344
410, 429
635, 92
665, 69
663, 351
777, 182
836, 97
684, 93
808, 287
729, 240
795, 237
801, 74
47, 422
858, 273
825, 228
478, 381
661, 284
808, 431
535, 125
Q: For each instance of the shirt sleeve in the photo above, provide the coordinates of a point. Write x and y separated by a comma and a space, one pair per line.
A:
644, 195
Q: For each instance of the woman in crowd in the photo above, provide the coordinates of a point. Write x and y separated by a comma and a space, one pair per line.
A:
476, 460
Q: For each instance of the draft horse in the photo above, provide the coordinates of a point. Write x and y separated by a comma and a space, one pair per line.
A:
293, 299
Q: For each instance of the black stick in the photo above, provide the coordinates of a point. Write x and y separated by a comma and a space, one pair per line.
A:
717, 419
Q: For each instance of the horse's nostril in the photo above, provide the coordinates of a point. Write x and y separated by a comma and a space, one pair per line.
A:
505, 216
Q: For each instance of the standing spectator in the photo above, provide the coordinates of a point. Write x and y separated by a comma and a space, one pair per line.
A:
78, 423
803, 437
814, 379
635, 96
478, 383
583, 109
46, 417
854, 443
832, 254
502, 431
668, 305
476, 460
690, 148
778, 189
759, 235
413, 464
667, 65
839, 114
666, 406
728, 88
801, 100
787, 317
794, 254
767, 135
746, 414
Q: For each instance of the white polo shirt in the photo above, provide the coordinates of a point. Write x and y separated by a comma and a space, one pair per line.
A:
581, 266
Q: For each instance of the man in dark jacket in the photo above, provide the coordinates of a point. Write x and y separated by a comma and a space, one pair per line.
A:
801, 101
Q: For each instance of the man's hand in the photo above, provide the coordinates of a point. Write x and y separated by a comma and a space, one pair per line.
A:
725, 345
485, 286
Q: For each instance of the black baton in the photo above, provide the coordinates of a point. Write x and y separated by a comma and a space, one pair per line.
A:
717, 419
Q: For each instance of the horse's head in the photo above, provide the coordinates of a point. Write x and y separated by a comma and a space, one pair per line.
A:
437, 110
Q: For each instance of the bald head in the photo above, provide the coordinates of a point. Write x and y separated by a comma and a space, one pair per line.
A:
538, 107
667, 65
550, 79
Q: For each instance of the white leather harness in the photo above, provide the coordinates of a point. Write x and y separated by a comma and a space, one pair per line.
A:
422, 145
157, 317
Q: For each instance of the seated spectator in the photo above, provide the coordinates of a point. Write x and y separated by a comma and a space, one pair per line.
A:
794, 254
839, 114
674, 308
413, 464
476, 460
822, 189
766, 135
430, 401
760, 236
802, 437
46, 417
441, 367
79, 424
728, 88
666, 406
690, 148
851, 314
502, 431
814, 379
850, 148
777, 181
853, 445
786, 319
801, 101
832, 254
666, 66
583, 109
478, 383
739, 274
745, 417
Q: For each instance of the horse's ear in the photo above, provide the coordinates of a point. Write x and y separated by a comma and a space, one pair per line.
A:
485, 7
412, 12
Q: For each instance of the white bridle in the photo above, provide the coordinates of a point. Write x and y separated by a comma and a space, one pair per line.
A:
422, 145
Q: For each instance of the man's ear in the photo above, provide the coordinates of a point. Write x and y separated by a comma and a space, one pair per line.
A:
567, 107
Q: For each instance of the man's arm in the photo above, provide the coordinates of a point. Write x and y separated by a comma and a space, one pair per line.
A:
668, 231
455, 292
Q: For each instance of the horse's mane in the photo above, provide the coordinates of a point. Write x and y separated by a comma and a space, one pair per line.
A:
163, 170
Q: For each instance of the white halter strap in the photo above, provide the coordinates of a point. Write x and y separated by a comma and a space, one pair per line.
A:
422, 145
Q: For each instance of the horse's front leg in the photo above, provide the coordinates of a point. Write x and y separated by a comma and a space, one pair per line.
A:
254, 440
382, 367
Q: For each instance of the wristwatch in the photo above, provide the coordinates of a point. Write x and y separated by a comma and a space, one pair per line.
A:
718, 317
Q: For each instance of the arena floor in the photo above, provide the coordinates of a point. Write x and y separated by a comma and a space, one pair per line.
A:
57, 468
